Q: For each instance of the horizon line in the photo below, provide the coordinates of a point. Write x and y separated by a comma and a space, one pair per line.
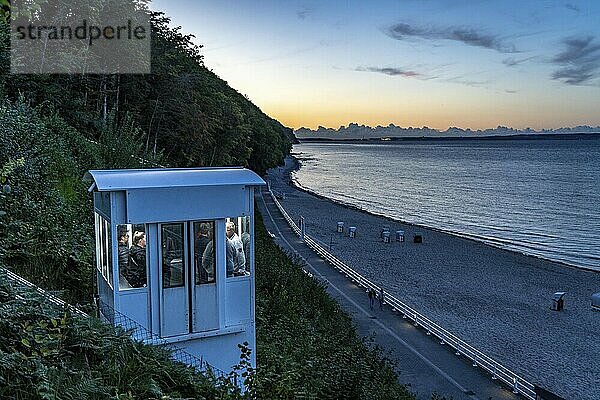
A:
425, 127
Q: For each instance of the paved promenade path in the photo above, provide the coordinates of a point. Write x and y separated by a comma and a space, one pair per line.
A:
425, 365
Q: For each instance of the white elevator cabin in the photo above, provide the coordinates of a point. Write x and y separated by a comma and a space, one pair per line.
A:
175, 255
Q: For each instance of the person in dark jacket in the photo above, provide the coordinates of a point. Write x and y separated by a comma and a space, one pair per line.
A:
136, 271
204, 274
245, 237
123, 249
371, 299
246, 243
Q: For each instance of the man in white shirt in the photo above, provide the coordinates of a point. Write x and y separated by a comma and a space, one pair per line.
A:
235, 251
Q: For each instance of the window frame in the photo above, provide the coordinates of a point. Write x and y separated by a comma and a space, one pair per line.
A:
248, 260
131, 230
104, 251
184, 251
193, 224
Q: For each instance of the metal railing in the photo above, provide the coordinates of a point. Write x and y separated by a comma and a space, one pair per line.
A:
498, 371
138, 332
24, 284
143, 334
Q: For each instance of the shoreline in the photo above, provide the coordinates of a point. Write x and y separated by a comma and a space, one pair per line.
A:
495, 299
297, 164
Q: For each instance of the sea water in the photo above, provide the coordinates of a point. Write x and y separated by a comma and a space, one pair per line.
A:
535, 196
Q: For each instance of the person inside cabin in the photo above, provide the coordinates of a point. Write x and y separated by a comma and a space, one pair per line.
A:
235, 251
123, 248
136, 270
245, 237
230, 257
204, 269
208, 262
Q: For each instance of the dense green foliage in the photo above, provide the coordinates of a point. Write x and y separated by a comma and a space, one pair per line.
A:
180, 115
182, 109
46, 232
306, 343
48, 353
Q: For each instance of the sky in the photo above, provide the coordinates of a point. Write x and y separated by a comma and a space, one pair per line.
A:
438, 63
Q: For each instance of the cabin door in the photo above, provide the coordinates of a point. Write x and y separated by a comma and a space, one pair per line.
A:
188, 275
203, 272
174, 308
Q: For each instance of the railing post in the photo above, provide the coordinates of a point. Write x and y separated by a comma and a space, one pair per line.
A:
495, 374
515, 388
457, 349
97, 305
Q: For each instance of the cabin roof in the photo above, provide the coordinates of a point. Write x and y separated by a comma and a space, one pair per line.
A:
126, 179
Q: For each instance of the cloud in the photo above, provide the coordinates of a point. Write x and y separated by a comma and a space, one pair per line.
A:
511, 62
391, 71
468, 36
579, 62
576, 75
573, 7
304, 12
578, 50
467, 81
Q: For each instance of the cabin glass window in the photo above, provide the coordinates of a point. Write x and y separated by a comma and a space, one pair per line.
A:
204, 252
238, 248
103, 248
98, 227
172, 249
132, 256
109, 271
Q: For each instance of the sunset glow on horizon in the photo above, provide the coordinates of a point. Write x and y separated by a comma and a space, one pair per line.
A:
435, 63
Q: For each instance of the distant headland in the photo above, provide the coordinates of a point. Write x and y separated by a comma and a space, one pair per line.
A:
355, 132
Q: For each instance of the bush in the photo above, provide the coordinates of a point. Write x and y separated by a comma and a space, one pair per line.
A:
48, 353
42, 230
47, 227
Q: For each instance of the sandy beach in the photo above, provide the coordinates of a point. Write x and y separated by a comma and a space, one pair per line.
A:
496, 300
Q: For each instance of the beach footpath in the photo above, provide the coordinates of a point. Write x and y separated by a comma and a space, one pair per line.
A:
425, 365
496, 300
